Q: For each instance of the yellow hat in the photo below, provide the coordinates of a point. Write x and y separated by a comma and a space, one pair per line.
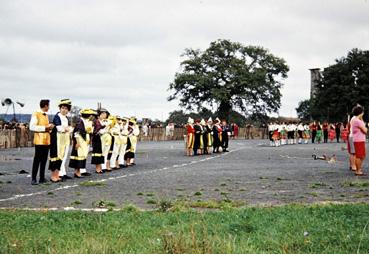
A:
133, 120
65, 102
87, 111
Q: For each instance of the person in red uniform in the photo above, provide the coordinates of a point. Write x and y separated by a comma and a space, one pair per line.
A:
190, 136
331, 133
235, 131
325, 131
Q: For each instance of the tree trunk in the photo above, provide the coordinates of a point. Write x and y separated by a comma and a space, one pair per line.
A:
224, 110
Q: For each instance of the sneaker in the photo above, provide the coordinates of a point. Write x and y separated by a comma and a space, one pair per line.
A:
34, 182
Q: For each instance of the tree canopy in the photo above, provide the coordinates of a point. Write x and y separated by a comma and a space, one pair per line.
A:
230, 76
303, 110
343, 85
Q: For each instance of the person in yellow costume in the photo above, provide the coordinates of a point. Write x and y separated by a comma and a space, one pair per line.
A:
41, 127
133, 132
91, 117
80, 142
60, 142
100, 128
124, 140
115, 143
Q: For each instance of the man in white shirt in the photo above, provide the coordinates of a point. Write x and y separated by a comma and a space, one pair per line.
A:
41, 127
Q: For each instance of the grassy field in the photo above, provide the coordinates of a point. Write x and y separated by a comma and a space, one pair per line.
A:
285, 229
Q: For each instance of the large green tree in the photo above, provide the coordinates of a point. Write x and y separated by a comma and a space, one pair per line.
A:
303, 110
229, 75
344, 84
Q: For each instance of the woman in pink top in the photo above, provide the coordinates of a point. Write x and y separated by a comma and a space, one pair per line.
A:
359, 135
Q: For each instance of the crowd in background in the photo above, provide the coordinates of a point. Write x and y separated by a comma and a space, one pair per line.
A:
314, 132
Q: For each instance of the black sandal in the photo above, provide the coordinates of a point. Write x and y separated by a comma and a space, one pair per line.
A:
77, 176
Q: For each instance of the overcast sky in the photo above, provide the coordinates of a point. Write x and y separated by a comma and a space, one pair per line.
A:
125, 53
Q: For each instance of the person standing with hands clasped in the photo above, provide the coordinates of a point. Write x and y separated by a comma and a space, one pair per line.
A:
359, 135
41, 127
60, 142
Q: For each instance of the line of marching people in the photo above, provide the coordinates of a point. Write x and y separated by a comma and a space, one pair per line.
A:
206, 137
293, 133
113, 140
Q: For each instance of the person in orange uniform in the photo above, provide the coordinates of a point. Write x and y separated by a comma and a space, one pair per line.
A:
41, 127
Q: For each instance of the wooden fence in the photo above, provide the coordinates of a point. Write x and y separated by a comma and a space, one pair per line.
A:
23, 137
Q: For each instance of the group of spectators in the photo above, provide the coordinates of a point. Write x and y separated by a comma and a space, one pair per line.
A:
22, 132
12, 125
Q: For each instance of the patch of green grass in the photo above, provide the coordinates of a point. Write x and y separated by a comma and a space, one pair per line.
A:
216, 189
263, 177
180, 189
78, 194
164, 205
104, 204
285, 229
151, 201
139, 194
223, 184
216, 204
224, 193
317, 185
197, 193
92, 184
50, 193
130, 208
242, 189
358, 184
150, 194
360, 195
76, 202
314, 194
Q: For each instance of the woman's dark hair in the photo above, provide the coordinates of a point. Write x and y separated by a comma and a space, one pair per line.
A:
69, 107
357, 110
44, 103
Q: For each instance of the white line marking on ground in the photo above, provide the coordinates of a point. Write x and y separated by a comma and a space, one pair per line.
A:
114, 178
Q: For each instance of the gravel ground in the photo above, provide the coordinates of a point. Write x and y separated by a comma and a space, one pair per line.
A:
252, 172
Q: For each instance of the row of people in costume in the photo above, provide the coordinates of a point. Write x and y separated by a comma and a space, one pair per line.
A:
293, 133
113, 140
206, 137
